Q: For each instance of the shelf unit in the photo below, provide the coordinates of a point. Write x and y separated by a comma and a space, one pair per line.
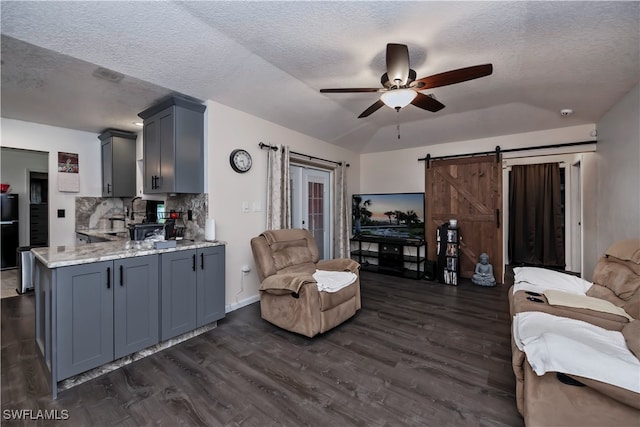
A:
396, 257
448, 249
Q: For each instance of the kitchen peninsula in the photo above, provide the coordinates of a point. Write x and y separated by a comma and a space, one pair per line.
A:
100, 306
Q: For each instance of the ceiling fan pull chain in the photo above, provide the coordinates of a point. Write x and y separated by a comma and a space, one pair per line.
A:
398, 122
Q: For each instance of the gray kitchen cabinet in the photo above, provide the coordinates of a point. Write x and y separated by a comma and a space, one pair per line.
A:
105, 310
178, 306
84, 317
211, 285
135, 304
193, 289
118, 163
173, 145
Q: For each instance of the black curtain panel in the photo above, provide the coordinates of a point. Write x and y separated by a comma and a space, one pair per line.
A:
536, 235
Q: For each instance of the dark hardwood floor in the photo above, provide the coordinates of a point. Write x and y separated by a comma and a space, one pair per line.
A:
417, 354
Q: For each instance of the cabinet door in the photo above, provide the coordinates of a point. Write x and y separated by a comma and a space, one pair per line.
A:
166, 140
151, 150
188, 176
178, 305
211, 284
136, 291
107, 168
84, 295
123, 167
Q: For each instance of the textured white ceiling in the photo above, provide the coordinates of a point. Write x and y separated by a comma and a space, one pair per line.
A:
270, 59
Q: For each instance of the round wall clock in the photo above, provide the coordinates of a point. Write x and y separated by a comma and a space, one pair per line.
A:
240, 160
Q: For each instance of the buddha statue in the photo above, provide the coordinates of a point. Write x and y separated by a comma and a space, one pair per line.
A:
483, 275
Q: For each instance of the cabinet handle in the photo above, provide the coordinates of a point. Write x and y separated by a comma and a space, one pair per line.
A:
153, 182
202, 261
194, 262
108, 188
121, 276
108, 277
498, 218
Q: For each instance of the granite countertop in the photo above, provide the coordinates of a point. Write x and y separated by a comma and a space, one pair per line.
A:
62, 256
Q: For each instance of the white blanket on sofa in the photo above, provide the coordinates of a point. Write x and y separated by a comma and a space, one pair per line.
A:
558, 344
333, 281
540, 279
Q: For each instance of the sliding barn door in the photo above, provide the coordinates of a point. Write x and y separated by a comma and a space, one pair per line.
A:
469, 190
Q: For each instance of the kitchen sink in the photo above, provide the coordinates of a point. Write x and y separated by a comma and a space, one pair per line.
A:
144, 230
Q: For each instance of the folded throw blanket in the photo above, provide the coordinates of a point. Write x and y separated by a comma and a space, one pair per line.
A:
333, 281
567, 299
574, 347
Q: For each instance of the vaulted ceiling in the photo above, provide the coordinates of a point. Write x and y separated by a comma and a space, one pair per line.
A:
270, 59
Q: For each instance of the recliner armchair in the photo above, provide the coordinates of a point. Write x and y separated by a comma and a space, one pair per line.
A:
289, 296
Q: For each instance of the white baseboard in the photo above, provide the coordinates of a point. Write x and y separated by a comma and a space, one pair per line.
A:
242, 303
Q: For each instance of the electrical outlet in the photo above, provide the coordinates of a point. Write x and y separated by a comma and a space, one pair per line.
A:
245, 207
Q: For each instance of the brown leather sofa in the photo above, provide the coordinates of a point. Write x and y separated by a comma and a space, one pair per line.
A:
546, 400
289, 297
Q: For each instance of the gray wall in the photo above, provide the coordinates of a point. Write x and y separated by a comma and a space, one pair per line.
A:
15, 167
617, 202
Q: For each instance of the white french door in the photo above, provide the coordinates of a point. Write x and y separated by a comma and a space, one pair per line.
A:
311, 204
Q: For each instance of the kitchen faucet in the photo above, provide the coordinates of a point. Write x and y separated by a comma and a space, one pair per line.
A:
133, 200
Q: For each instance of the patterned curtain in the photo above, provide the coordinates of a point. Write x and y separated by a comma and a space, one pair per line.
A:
341, 215
279, 189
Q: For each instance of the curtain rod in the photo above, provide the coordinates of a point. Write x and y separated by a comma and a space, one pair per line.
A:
262, 145
498, 151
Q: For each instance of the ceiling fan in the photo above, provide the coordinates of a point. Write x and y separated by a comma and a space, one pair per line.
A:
400, 87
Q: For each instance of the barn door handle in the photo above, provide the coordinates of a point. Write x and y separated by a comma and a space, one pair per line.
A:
498, 218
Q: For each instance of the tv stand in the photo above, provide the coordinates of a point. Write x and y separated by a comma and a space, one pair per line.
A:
398, 257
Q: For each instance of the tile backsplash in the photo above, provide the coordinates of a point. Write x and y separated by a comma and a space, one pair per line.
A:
94, 212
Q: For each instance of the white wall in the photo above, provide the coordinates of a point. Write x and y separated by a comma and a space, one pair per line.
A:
50, 139
228, 129
617, 205
16, 165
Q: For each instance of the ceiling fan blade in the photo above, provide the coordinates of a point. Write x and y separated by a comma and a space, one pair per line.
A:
372, 109
398, 63
455, 76
350, 90
427, 103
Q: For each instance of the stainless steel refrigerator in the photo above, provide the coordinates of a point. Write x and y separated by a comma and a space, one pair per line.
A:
10, 231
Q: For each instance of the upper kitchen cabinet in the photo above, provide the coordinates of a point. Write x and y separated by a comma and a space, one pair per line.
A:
174, 147
118, 163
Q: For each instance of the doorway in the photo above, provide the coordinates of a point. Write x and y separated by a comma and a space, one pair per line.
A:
469, 190
311, 204
571, 195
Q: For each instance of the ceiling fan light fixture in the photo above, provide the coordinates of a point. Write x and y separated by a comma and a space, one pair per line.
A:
398, 98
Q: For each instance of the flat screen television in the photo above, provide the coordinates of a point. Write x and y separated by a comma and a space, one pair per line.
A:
390, 215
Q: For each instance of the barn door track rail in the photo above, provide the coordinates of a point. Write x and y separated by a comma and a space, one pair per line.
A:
499, 151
